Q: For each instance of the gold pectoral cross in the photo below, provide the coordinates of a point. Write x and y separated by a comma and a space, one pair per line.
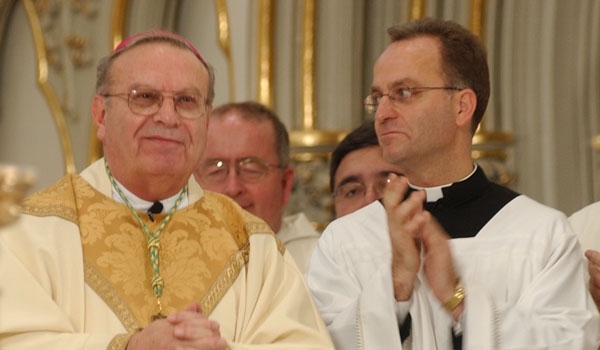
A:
159, 314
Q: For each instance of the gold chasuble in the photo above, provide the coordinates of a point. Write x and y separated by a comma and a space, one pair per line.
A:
202, 249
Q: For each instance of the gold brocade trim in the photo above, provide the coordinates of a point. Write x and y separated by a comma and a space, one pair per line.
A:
256, 226
55, 200
227, 277
204, 249
260, 227
280, 246
110, 296
119, 342
196, 247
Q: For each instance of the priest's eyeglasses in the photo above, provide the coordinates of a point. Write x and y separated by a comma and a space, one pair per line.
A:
400, 95
248, 170
147, 102
353, 190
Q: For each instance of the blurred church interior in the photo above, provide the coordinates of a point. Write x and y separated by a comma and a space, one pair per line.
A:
311, 61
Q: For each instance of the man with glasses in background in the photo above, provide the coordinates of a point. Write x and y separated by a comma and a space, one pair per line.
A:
447, 260
247, 158
132, 253
357, 171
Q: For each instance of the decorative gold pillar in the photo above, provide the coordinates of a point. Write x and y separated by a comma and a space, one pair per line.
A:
309, 113
117, 22
310, 142
311, 146
477, 17
489, 147
596, 142
116, 35
225, 42
417, 9
266, 10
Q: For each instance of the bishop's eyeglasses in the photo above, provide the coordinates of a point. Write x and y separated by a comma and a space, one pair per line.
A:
249, 170
146, 102
400, 95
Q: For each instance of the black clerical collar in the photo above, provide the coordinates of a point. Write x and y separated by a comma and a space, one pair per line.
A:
457, 192
155, 208
467, 205
465, 190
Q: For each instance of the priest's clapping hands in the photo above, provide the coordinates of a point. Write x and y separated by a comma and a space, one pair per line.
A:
411, 230
593, 257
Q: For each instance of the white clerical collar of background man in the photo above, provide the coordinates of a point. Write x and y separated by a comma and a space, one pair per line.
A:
435, 193
139, 204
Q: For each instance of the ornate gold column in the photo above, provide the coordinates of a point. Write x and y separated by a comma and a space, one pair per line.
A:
116, 35
225, 42
489, 147
117, 22
310, 147
417, 9
310, 142
266, 10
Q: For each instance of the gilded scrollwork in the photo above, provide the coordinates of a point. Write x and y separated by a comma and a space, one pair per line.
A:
56, 98
58, 38
61, 50
87, 8
78, 47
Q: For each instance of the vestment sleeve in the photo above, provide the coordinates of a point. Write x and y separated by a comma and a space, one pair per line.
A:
353, 309
554, 310
42, 290
273, 305
586, 224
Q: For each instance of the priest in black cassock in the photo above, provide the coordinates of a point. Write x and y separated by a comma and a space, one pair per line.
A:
447, 260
